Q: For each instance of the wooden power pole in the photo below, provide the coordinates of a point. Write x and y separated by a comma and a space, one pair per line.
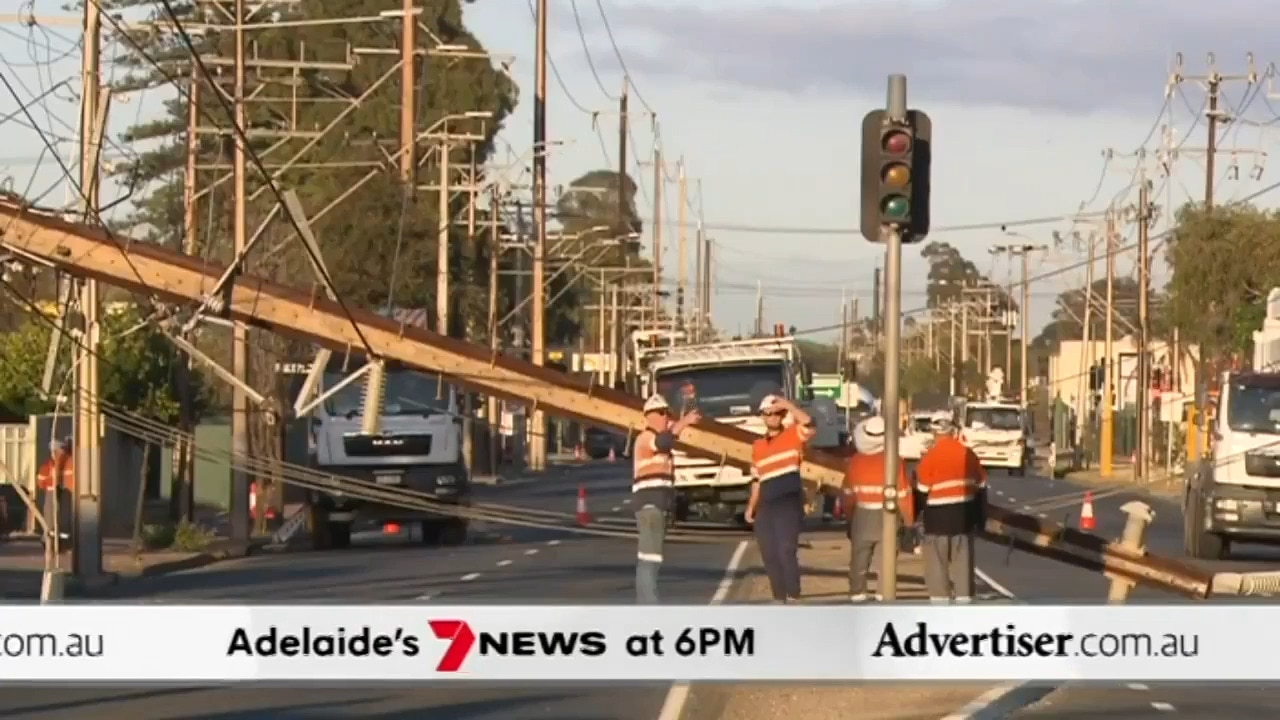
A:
1144, 332
538, 434
1107, 441
682, 254
657, 235
240, 529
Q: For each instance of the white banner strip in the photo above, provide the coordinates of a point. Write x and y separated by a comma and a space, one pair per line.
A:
629, 643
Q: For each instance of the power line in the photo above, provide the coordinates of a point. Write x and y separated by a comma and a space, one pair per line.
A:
586, 51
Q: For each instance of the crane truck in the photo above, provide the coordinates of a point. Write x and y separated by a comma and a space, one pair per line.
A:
1232, 494
725, 381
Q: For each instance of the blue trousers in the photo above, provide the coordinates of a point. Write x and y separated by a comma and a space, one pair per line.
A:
777, 527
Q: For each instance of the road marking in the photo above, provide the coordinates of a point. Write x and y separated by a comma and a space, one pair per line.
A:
1164, 707
553, 543
1013, 499
678, 695
615, 509
1000, 701
531, 551
626, 501
470, 576
1026, 507
423, 597
1043, 515
503, 563
1137, 686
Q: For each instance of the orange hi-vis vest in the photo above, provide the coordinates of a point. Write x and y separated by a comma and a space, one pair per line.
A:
953, 483
48, 471
652, 468
864, 485
775, 461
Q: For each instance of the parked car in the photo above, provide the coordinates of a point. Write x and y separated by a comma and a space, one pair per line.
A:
599, 441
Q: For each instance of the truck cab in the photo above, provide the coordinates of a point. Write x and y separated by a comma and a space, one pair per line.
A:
726, 383
417, 446
997, 433
1233, 493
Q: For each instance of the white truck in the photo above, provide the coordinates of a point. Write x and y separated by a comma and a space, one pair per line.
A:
726, 381
997, 433
918, 437
1233, 493
415, 444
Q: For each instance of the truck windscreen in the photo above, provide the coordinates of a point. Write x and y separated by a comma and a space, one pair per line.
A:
720, 391
1254, 407
993, 418
407, 393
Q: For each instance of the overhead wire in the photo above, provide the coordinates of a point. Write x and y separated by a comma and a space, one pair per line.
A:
586, 51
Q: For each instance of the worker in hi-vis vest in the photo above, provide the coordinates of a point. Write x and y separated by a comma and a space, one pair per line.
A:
864, 500
776, 506
953, 489
653, 489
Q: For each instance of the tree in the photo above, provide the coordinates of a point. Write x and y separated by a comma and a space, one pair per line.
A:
1223, 264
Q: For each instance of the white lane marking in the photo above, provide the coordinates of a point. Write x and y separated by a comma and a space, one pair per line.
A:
615, 509
1026, 507
1137, 686
503, 563
1043, 515
423, 597
626, 501
470, 576
553, 543
1000, 492
1001, 700
531, 551
678, 695
1164, 707
1013, 499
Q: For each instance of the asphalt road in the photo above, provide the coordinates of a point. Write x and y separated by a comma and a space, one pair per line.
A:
1035, 580
513, 565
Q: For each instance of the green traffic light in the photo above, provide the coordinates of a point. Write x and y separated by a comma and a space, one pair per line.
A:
896, 207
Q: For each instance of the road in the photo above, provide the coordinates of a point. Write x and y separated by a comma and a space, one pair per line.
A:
1035, 580
525, 565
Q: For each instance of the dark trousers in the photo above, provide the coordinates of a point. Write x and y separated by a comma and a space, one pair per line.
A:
777, 529
66, 510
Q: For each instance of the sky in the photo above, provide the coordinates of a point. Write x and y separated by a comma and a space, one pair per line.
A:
1041, 111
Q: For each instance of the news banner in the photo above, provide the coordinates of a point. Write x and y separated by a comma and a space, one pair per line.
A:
616, 644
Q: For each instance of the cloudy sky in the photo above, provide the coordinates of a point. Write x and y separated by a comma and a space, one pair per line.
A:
763, 101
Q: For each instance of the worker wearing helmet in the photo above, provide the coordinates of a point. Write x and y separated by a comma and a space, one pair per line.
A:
776, 506
652, 488
865, 496
953, 487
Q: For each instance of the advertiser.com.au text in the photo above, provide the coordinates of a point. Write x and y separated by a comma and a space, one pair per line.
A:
900, 640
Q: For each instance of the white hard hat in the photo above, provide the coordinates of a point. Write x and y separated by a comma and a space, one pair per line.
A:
768, 402
656, 403
873, 426
942, 424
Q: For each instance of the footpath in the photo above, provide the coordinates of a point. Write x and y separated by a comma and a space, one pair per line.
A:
825, 561
22, 565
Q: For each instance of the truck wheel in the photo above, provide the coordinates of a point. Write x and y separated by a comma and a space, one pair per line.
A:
340, 535
1200, 543
453, 532
319, 526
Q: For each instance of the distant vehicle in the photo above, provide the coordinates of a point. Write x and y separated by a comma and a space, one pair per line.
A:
997, 432
918, 438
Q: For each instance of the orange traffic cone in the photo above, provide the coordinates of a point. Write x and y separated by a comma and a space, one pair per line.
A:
577, 452
583, 517
1086, 512
613, 456
253, 500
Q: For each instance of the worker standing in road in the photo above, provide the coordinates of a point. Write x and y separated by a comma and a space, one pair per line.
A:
776, 506
864, 496
652, 490
953, 487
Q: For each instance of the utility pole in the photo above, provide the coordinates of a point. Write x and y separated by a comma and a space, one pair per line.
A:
1107, 440
623, 226
538, 436
699, 299
706, 280
657, 235
408, 74
182, 483
442, 241
615, 356
759, 309
1144, 331
951, 359
493, 415
875, 307
1024, 316
240, 333
682, 247
1082, 401
86, 550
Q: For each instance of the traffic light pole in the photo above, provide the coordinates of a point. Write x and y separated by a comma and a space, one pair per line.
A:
896, 107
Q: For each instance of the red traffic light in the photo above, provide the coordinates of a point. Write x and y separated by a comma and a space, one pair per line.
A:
896, 142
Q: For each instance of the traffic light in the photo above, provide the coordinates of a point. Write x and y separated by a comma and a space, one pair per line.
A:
895, 175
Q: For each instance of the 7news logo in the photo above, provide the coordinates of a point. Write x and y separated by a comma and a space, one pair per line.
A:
463, 640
